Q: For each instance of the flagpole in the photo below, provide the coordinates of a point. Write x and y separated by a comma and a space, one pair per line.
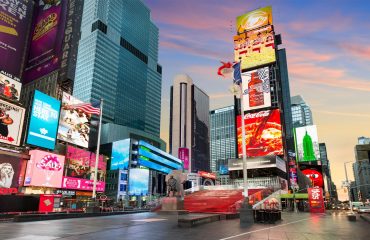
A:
97, 150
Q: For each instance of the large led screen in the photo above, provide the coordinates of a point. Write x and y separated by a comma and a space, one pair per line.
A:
120, 155
46, 39
9, 88
255, 48
74, 124
138, 182
42, 130
256, 89
9, 171
314, 173
44, 169
11, 123
263, 133
307, 143
15, 18
254, 19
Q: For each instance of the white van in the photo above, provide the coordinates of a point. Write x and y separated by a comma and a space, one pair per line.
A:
355, 205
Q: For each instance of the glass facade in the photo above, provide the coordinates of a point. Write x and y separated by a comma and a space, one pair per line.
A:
361, 171
222, 137
118, 61
301, 112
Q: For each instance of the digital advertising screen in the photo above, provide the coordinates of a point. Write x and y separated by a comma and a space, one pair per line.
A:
74, 124
9, 88
120, 154
138, 182
11, 123
307, 144
254, 19
255, 48
82, 184
263, 133
314, 173
9, 171
256, 89
183, 154
47, 34
15, 19
42, 130
44, 169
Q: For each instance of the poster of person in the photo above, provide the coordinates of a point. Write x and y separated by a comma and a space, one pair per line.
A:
11, 123
74, 123
9, 88
255, 48
9, 171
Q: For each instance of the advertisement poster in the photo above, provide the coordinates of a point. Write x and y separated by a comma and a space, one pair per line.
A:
81, 164
11, 123
263, 133
316, 200
138, 182
255, 48
307, 143
256, 89
120, 155
15, 19
184, 157
82, 184
46, 38
44, 169
9, 88
42, 130
254, 19
74, 124
314, 173
9, 171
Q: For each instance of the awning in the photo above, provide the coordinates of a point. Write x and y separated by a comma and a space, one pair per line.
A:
297, 195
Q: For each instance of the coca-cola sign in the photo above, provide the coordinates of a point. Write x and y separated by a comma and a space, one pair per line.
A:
263, 133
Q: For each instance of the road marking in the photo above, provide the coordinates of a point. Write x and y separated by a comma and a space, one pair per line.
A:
263, 229
29, 237
149, 220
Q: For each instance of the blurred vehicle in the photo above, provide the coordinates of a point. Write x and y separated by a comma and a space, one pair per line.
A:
356, 205
363, 209
345, 207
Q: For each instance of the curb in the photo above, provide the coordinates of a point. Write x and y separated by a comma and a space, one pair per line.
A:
366, 218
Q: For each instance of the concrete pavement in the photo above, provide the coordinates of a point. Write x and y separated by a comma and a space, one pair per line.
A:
153, 226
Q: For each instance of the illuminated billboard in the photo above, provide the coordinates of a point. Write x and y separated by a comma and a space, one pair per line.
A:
256, 89
42, 130
9, 88
15, 19
307, 143
120, 155
11, 123
138, 182
254, 19
74, 124
314, 173
9, 171
46, 39
263, 133
44, 169
255, 48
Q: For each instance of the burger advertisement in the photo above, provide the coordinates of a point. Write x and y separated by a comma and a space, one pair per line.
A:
263, 133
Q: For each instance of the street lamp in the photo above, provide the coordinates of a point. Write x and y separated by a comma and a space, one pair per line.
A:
348, 186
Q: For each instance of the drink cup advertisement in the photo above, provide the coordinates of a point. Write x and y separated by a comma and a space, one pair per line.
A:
44, 169
11, 123
254, 19
256, 89
15, 18
263, 133
255, 48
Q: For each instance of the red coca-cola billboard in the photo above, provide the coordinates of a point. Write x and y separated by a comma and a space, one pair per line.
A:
316, 200
263, 133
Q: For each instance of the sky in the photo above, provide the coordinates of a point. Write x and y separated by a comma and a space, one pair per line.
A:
328, 52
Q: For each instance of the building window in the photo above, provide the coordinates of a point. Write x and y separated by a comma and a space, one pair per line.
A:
99, 25
129, 47
159, 69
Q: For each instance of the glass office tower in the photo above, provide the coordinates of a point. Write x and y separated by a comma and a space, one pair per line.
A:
118, 61
301, 112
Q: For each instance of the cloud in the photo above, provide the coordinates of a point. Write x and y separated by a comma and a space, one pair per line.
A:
348, 114
357, 50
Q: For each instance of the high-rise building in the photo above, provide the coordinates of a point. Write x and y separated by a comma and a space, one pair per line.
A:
361, 170
189, 122
223, 144
118, 62
328, 182
301, 112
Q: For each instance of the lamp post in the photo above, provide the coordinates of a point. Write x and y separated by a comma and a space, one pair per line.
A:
348, 186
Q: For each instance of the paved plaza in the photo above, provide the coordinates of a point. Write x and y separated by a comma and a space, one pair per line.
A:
153, 226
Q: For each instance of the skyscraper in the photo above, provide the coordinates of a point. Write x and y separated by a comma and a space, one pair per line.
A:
301, 112
223, 145
361, 170
189, 122
118, 62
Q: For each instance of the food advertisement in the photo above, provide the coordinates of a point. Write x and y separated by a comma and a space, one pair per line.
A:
254, 19
263, 133
256, 89
307, 143
255, 48
11, 123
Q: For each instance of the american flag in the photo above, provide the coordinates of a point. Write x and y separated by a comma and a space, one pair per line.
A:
91, 108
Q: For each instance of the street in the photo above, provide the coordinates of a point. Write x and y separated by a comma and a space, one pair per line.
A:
153, 226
